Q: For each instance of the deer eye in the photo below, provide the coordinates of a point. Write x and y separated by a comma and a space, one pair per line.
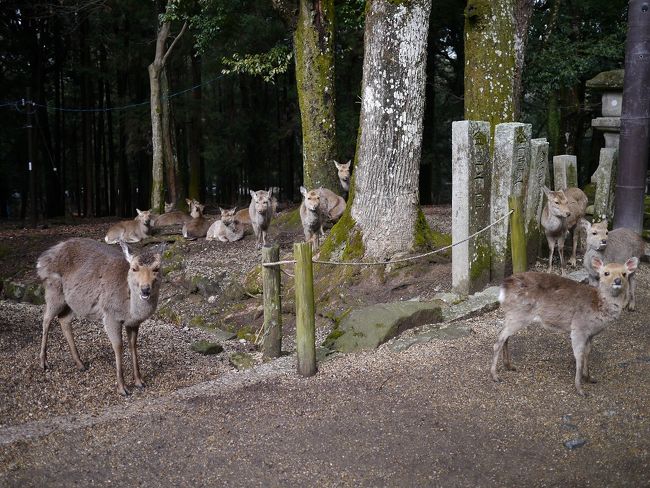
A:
606, 233
606, 273
594, 233
557, 202
156, 269
624, 275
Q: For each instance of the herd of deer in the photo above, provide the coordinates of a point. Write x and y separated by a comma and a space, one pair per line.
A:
88, 279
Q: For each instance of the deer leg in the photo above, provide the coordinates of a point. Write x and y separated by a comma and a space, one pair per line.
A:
560, 251
54, 304
585, 364
132, 334
551, 246
509, 328
579, 344
114, 331
66, 326
631, 304
507, 358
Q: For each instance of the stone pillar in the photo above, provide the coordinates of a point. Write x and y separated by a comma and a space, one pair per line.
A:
470, 204
565, 172
610, 85
509, 177
535, 197
605, 179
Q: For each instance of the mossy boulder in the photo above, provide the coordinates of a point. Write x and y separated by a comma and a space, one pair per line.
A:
369, 327
241, 360
203, 285
207, 347
253, 281
13, 290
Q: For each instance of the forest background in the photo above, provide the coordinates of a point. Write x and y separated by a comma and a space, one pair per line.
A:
232, 104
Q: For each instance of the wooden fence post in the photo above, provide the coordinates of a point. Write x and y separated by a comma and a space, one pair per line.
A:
517, 234
305, 321
272, 330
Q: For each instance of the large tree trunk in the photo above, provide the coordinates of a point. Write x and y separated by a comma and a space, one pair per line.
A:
385, 204
313, 40
169, 140
194, 132
495, 41
156, 70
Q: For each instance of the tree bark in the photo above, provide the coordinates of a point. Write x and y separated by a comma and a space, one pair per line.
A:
169, 140
385, 203
194, 132
155, 72
495, 42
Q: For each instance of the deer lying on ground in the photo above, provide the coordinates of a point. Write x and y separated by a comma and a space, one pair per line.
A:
130, 230
612, 247
314, 212
565, 305
261, 210
228, 229
88, 279
171, 217
561, 214
344, 175
199, 225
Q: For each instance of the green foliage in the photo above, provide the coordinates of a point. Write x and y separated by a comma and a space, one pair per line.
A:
267, 65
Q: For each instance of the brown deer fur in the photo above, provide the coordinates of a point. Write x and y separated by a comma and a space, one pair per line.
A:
91, 280
555, 302
130, 230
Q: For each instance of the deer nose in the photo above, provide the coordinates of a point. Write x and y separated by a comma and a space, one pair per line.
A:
617, 281
603, 242
145, 290
568, 214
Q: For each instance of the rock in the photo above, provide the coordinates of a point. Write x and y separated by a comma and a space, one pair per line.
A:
434, 331
207, 347
241, 360
368, 327
223, 335
480, 302
202, 284
581, 276
34, 293
574, 444
13, 290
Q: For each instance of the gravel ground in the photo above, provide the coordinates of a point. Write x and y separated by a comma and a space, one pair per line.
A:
426, 416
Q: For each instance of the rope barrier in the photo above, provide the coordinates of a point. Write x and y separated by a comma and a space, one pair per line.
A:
402, 260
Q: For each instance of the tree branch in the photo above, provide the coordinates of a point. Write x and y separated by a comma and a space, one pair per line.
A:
288, 9
171, 46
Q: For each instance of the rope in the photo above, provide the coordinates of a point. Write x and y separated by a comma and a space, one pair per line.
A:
402, 260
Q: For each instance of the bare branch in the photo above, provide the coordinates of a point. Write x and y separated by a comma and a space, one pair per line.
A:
171, 46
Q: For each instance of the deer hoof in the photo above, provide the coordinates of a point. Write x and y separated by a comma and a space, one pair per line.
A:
140, 384
123, 391
82, 367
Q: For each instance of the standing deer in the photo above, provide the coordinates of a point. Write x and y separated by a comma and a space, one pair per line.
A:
555, 302
314, 212
261, 210
563, 210
130, 230
614, 246
88, 279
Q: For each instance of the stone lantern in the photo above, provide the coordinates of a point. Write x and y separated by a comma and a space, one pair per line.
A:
610, 83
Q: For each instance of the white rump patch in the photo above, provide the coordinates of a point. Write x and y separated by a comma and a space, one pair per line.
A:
502, 295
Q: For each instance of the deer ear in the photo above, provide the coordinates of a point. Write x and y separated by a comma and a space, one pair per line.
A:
139, 211
347, 165
547, 191
596, 263
336, 163
632, 264
303, 191
127, 253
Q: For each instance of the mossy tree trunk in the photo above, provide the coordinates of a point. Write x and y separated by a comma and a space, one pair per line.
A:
156, 71
385, 205
495, 42
313, 24
169, 141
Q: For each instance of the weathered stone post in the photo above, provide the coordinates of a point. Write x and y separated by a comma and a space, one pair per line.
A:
538, 177
565, 172
605, 179
471, 170
510, 172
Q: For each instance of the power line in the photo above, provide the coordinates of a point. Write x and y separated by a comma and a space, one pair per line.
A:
18, 103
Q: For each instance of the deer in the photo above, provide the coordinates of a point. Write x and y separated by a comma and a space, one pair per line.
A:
130, 230
199, 225
335, 204
344, 174
171, 217
87, 279
261, 210
228, 229
612, 246
559, 303
314, 212
560, 216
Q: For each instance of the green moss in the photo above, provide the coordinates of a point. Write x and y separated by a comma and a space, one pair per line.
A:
166, 313
289, 219
571, 176
343, 233
590, 191
253, 281
197, 321
425, 238
246, 333
330, 340
481, 264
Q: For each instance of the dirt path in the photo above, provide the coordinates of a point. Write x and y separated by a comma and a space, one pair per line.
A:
428, 416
